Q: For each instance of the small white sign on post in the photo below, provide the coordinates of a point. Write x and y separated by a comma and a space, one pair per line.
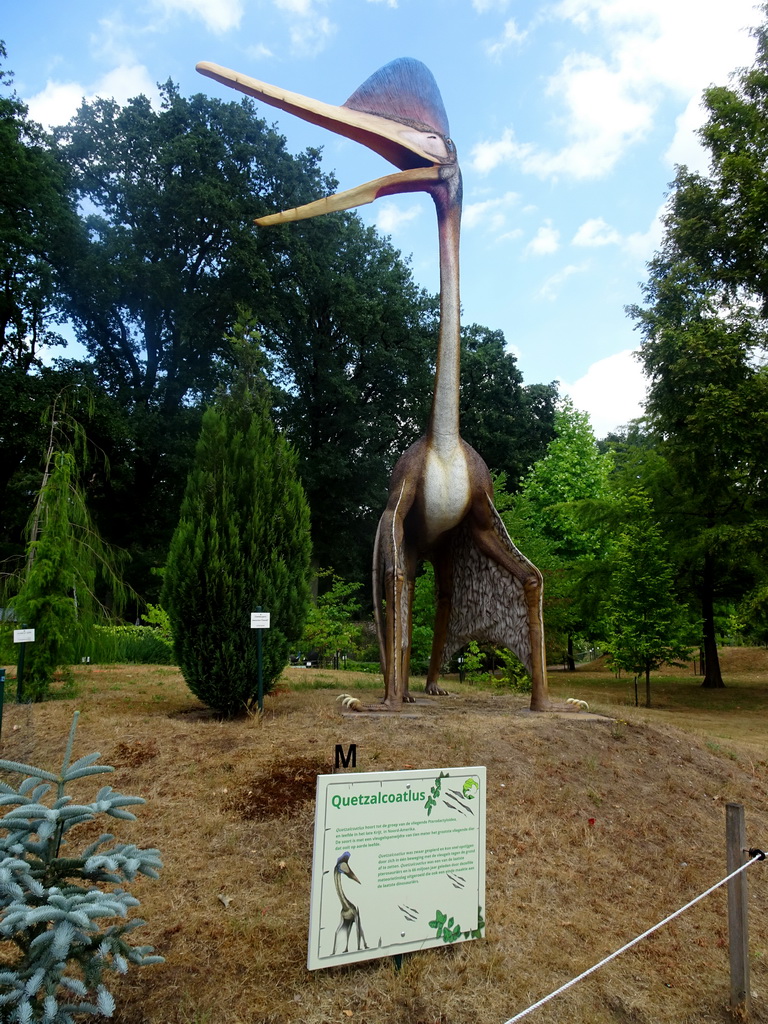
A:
260, 620
398, 863
23, 636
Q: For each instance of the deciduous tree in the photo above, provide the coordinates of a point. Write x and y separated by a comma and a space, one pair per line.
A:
548, 523
707, 410
647, 624
37, 225
333, 620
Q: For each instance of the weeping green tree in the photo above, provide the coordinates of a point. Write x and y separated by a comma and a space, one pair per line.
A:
70, 573
242, 543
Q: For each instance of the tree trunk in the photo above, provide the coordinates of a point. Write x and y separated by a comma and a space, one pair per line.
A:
569, 658
713, 678
647, 684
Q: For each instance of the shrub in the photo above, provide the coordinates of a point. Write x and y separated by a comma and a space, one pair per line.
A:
513, 677
134, 645
53, 916
242, 544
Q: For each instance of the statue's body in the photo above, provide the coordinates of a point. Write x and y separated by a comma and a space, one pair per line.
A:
440, 505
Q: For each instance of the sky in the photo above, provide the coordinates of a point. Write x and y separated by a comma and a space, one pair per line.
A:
569, 119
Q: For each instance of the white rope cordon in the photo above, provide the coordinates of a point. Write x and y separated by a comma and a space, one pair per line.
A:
758, 856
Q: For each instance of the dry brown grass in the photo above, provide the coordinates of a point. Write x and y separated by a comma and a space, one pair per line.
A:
595, 831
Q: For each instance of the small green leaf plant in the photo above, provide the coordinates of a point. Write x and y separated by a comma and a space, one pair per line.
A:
63, 916
449, 930
434, 793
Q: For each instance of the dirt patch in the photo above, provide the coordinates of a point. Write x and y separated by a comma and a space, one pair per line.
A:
131, 755
278, 791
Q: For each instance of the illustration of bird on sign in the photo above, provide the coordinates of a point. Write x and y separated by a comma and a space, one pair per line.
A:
350, 915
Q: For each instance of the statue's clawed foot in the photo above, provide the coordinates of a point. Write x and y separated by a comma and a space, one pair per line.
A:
408, 699
434, 690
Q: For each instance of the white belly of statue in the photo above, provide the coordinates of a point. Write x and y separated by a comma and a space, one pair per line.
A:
446, 492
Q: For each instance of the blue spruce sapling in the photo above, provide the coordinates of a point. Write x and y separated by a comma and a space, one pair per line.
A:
63, 915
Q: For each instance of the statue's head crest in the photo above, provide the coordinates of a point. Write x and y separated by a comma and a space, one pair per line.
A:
403, 90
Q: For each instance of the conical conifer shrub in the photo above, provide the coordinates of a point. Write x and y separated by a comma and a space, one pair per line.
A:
242, 543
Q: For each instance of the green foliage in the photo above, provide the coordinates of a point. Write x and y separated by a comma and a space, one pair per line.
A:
514, 676
131, 645
8, 650
37, 225
56, 903
424, 608
751, 619
572, 470
242, 543
647, 626
157, 617
508, 424
474, 663
331, 620
66, 559
171, 252
46, 600
551, 522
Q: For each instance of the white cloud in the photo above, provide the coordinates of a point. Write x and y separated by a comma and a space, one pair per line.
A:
309, 31
595, 232
685, 147
545, 241
510, 37
490, 213
217, 15
612, 391
390, 217
636, 54
301, 7
642, 245
59, 101
112, 40
259, 52
483, 6
389, 3
549, 290
486, 156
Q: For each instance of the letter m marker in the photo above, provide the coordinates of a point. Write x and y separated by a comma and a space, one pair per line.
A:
346, 760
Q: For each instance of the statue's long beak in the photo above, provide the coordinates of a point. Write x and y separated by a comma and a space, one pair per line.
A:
399, 143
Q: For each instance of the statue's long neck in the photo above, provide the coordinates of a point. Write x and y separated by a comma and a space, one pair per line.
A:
443, 430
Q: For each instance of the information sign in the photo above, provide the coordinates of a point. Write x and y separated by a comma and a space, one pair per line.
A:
260, 620
23, 636
398, 863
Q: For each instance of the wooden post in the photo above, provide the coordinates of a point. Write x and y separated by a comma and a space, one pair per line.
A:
738, 924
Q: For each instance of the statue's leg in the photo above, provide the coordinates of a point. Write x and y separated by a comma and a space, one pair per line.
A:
443, 563
406, 658
393, 573
489, 542
394, 584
